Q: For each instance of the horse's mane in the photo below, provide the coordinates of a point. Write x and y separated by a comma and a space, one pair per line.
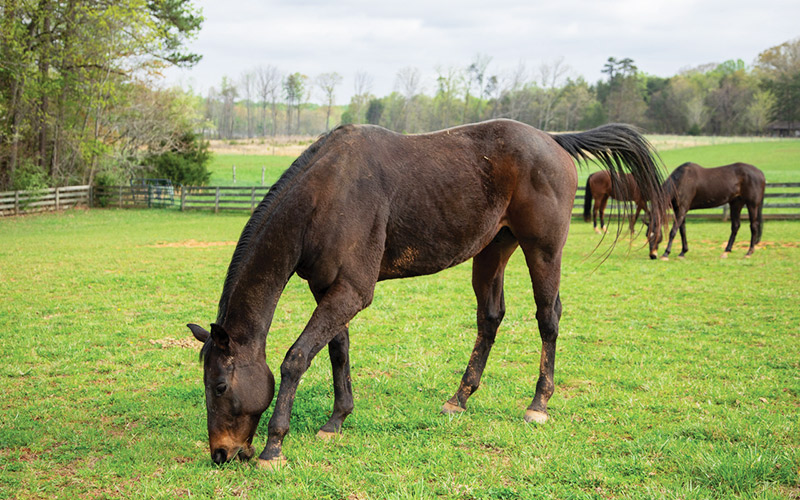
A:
261, 215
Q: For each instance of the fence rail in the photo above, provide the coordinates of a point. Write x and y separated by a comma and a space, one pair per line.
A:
782, 200
42, 200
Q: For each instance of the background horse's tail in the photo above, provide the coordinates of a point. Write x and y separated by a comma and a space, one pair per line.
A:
587, 202
619, 149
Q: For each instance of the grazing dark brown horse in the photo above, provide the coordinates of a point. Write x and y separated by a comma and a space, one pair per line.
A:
363, 204
691, 187
599, 187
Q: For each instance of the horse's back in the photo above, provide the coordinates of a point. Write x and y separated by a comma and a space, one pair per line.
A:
711, 187
429, 201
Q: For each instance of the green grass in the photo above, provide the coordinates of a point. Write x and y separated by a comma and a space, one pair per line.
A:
248, 169
675, 379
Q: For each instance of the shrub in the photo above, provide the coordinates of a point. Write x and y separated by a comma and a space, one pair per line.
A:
184, 164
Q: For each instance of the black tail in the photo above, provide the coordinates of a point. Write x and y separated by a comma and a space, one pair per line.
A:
619, 149
587, 202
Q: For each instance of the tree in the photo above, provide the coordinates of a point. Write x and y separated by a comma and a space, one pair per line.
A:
268, 83
327, 82
779, 72
294, 90
66, 67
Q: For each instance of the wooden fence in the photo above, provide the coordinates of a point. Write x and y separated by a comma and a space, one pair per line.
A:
42, 200
782, 200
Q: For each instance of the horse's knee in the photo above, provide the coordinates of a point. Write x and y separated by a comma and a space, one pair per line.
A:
548, 324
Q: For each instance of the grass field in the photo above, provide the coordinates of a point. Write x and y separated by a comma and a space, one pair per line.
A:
779, 159
675, 379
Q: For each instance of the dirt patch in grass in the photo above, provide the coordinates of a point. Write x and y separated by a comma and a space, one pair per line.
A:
193, 244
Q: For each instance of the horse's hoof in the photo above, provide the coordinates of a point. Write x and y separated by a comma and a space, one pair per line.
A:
681, 257
273, 464
665, 258
724, 255
653, 256
536, 417
326, 436
451, 409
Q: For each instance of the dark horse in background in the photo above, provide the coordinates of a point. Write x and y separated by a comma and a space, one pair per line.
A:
363, 204
600, 187
691, 187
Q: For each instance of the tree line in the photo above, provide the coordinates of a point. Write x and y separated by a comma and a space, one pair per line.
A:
730, 98
81, 99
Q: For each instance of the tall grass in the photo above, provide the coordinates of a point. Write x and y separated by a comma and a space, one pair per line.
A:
675, 379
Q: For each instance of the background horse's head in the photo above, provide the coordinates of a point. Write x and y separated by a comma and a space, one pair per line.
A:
239, 388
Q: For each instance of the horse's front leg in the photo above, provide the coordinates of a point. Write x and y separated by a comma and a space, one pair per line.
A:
339, 350
340, 303
679, 221
545, 271
487, 282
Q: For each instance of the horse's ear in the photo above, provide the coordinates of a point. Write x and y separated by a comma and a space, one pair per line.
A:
199, 332
220, 336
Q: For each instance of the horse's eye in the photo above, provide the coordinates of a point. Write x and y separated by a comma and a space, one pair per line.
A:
220, 389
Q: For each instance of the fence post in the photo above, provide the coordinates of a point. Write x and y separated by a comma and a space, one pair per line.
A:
91, 196
234, 174
57, 199
216, 201
263, 169
724, 213
252, 199
16, 202
183, 197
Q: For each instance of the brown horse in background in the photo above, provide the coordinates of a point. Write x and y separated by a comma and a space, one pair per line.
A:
364, 204
599, 187
692, 187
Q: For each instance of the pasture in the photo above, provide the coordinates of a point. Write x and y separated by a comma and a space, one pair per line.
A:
675, 379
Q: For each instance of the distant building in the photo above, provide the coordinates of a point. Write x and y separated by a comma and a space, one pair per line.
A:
784, 129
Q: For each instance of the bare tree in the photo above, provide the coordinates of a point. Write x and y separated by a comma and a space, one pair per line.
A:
476, 80
269, 83
551, 78
327, 83
247, 83
362, 88
407, 82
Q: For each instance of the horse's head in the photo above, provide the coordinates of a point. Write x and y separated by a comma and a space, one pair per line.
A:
239, 388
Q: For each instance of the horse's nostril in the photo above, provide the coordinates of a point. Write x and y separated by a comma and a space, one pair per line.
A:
219, 456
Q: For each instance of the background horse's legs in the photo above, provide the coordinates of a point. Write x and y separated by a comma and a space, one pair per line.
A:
680, 219
755, 227
736, 221
340, 303
602, 209
487, 282
545, 270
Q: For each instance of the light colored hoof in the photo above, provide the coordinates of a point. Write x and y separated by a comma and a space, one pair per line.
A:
665, 259
451, 409
598, 230
536, 417
681, 257
724, 255
271, 465
326, 436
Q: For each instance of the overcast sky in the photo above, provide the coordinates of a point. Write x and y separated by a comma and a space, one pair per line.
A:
380, 37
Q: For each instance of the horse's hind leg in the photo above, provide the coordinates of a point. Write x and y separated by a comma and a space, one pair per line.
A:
545, 271
736, 221
487, 282
755, 227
